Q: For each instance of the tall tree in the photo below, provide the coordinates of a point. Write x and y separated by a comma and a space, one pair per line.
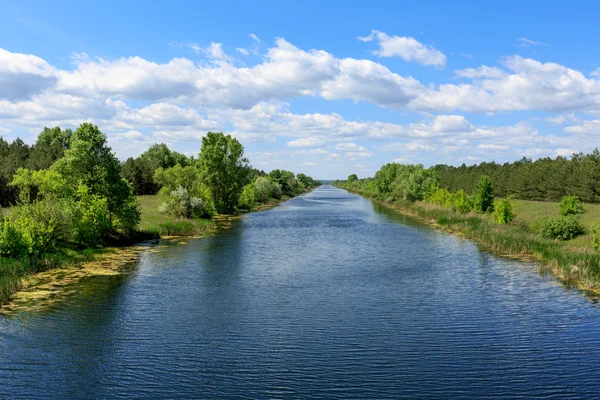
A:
223, 169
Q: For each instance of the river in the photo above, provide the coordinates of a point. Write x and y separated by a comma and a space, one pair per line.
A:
326, 296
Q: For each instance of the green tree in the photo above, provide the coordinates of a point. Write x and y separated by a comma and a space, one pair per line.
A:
223, 169
51, 145
351, 178
570, 205
484, 197
503, 214
90, 162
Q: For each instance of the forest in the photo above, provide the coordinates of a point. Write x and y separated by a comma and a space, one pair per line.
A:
69, 192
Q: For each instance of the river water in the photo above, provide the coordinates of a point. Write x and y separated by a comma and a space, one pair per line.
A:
326, 296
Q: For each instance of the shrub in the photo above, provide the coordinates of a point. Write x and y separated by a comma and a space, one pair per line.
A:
44, 224
564, 227
596, 237
91, 217
264, 189
504, 212
248, 197
440, 196
484, 197
570, 205
11, 241
179, 203
460, 202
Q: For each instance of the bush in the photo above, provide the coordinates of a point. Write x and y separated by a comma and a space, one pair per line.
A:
596, 237
440, 196
91, 217
484, 198
248, 197
44, 224
570, 205
460, 202
179, 203
504, 212
264, 189
564, 227
12, 243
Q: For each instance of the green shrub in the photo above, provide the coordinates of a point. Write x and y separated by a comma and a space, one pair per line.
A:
484, 197
564, 227
180, 204
503, 214
440, 196
12, 243
44, 224
596, 237
264, 189
460, 202
91, 218
248, 197
570, 205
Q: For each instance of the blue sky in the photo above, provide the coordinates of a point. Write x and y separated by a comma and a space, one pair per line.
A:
326, 88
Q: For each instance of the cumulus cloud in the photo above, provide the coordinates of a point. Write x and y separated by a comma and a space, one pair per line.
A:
306, 142
408, 48
24, 75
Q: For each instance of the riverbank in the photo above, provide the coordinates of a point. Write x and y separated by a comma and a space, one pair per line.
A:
572, 263
24, 282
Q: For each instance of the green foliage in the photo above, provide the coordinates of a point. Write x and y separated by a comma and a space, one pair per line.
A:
461, 202
570, 205
37, 185
351, 178
223, 169
90, 162
249, 197
91, 220
307, 181
544, 179
140, 171
596, 237
503, 214
264, 189
45, 224
440, 196
49, 147
564, 227
12, 243
484, 197
180, 203
286, 180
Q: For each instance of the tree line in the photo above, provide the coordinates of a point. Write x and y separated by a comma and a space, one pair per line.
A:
546, 179
73, 192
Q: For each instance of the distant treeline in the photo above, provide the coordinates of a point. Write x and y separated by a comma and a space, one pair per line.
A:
543, 179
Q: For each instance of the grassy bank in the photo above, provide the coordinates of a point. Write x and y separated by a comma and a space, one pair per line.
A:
574, 262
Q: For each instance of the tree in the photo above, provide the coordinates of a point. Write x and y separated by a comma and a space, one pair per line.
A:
570, 205
352, 178
90, 162
484, 198
223, 169
51, 145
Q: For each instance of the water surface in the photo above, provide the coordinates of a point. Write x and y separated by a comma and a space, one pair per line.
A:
326, 296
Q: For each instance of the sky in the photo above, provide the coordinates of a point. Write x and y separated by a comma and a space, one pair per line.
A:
327, 88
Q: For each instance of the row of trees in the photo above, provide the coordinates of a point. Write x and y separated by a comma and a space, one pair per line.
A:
544, 179
72, 190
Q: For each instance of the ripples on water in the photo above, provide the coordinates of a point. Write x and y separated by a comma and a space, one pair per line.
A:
327, 296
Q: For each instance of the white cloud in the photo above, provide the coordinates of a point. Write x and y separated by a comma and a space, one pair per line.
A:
23, 76
243, 51
407, 48
524, 42
306, 142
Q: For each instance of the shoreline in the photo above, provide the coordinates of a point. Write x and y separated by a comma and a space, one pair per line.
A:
570, 265
42, 289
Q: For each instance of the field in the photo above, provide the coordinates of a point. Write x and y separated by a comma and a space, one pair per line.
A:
532, 213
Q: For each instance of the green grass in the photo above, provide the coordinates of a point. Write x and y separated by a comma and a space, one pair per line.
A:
165, 225
531, 214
